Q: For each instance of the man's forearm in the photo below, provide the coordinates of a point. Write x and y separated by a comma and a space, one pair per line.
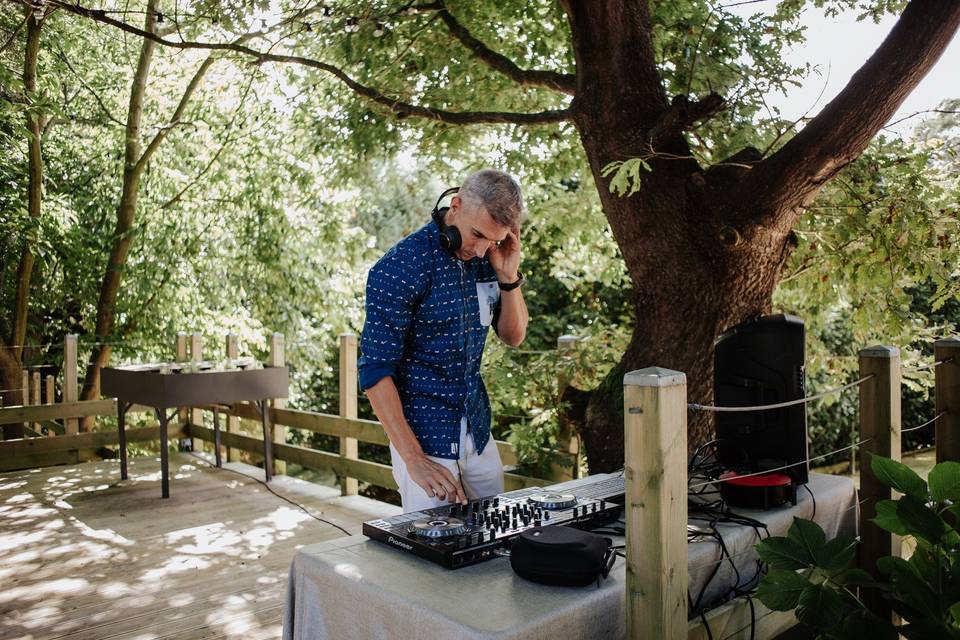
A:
386, 404
512, 325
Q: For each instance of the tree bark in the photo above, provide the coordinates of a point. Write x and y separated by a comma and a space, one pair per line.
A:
705, 249
34, 188
126, 210
11, 357
135, 162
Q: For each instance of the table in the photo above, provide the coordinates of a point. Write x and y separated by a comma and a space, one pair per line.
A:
354, 587
164, 386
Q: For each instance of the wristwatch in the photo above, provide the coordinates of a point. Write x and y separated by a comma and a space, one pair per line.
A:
510, 286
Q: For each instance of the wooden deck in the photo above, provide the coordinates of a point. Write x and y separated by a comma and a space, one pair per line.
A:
83, 555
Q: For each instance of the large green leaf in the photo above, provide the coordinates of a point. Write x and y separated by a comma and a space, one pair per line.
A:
780, 589
899, 476
887, 518
910, 587
862, 623
944, 481
809, 536
920, 520
820, 607
784, 553
837, 553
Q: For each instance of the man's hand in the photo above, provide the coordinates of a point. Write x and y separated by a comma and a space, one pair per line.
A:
435, 479
505, 257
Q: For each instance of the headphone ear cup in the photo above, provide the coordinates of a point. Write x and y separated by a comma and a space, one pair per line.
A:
451, 239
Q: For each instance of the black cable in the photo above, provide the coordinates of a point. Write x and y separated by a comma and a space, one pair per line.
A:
814, 501
299, 506
706, 625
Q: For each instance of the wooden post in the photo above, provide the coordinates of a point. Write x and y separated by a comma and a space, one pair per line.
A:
25, 387
70, 388
880, 435
566, 346
196, 415
947, 391
48, 390
233, 422
348, 405
655, 468
35, 397
278, 358
180, 355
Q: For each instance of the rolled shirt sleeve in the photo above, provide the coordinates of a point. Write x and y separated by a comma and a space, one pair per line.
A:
394, 286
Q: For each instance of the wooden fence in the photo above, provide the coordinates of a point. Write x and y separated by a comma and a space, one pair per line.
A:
655, 417
63, 445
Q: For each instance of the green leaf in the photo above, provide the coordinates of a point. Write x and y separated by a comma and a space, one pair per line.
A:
908, 586
837, 553
899, 477
808, 535
920, 520
955, 612
855, 576
887, 518
820, 607
784, 553
944, 481
780, 589
862, 623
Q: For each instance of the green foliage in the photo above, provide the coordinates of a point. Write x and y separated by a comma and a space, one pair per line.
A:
923, 590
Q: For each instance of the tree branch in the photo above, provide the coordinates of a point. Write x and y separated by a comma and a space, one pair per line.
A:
563, 82
400, 108
791, 177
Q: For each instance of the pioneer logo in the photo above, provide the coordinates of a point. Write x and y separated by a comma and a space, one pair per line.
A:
400, 544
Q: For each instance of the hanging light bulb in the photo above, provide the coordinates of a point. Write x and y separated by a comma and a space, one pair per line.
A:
327, 13
352, 25
379, 30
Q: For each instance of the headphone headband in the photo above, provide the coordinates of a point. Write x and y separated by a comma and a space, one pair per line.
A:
444, 195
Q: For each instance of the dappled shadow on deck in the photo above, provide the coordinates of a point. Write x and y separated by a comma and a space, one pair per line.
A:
83, 555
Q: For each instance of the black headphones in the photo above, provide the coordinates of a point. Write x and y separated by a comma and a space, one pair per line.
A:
450, 238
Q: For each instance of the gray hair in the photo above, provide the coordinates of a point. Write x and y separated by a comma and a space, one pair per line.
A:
498, 193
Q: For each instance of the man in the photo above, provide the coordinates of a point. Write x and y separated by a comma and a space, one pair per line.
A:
430, 302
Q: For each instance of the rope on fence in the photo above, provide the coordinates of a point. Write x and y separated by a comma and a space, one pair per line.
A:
787, 466
779, 405
934, 365
930, 421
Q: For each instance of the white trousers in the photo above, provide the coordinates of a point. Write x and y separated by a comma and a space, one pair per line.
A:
482, 475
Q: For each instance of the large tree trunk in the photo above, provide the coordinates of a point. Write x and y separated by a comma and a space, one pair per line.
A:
12, 357
134, 165
126, 210
705, 249
34, 186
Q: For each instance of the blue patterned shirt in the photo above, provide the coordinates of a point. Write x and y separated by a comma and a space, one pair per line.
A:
428, 315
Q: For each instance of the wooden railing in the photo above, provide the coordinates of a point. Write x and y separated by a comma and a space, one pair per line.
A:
64, 447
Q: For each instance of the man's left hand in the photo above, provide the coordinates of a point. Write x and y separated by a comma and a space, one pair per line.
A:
505, 257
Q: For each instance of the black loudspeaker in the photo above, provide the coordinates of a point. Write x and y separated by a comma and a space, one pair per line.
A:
761, 362
450, 238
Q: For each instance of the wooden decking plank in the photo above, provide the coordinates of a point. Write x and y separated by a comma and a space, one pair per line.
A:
73, 567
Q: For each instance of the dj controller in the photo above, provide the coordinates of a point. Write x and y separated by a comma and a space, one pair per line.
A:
462, 534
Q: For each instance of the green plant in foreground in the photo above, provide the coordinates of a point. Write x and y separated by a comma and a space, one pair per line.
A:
815, 578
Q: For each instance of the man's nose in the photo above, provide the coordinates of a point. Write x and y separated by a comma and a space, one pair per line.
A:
480, 249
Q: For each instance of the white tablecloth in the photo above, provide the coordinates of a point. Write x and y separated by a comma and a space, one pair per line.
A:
358, 588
